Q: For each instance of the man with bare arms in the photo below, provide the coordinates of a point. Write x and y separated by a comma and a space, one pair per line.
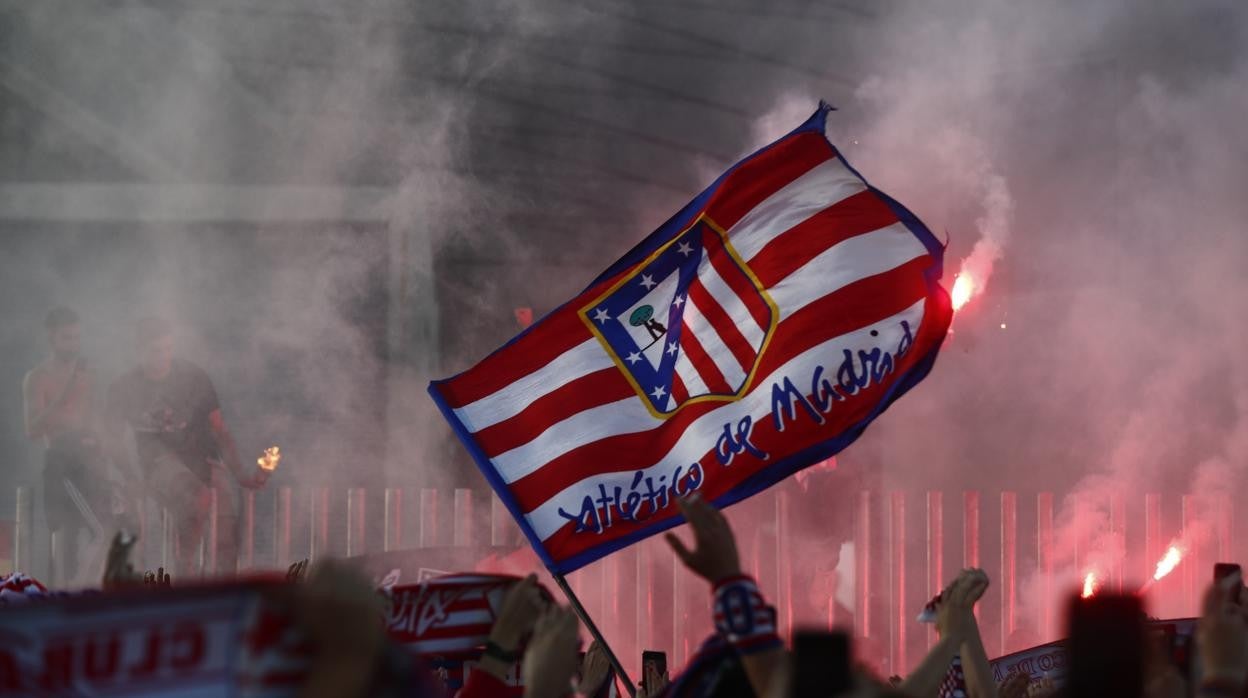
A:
58, 409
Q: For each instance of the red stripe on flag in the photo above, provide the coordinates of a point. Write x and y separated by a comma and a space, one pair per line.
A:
859, 214
799, 434
679, 392
765, 174
869, 299
558, 333
606, 385
735, 277
702, 362
719, 320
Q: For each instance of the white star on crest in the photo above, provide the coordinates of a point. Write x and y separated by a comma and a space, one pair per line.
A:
678, 302
671, 348
633, 358
602, 316
647, 282
658, 392
685, 248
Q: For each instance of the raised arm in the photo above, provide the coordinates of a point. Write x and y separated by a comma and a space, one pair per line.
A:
979, 682
743, 617
959, 636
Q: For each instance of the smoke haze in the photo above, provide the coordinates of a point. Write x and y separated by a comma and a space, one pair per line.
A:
338, 201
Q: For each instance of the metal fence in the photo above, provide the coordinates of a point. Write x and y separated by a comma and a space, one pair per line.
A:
906, 547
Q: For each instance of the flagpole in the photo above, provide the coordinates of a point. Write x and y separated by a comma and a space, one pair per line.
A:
593, 630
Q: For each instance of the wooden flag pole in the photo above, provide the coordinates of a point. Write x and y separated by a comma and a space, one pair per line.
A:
593, 630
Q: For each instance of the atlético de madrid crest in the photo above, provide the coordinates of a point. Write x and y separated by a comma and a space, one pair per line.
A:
688, 323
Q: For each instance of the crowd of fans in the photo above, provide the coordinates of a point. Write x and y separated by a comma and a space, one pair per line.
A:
1110, 650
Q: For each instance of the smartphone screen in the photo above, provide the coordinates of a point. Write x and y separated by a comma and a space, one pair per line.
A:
820, 663
658, 660
1230, 577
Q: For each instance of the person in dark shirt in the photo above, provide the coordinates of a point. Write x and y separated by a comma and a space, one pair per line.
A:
181, 446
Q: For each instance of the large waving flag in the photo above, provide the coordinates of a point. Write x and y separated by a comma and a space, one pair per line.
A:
758, 331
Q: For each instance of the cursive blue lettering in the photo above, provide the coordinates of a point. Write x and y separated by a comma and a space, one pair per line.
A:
730, 444
785, 398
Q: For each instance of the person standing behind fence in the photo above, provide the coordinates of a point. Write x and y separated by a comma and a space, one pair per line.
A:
182, 447
57, 402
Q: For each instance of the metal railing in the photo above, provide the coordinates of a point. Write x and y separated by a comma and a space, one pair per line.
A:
906, 546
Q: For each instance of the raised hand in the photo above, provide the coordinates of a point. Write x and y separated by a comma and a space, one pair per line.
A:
550, 659
714, 556
297, 571
594, 670
118, 572
955, 611
653, 683
522, 606
159, 578
1223, 640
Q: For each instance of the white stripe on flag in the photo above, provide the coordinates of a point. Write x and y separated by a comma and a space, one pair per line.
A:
688, 376
844, 263
731, 303
810, 283
698, 439
581, 360
821, 187
714, 346
620, 417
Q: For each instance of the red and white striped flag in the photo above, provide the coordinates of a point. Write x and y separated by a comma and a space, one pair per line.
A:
758, 331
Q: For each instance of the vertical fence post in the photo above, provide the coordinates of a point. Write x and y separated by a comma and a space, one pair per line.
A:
1224, 527
168, 537
970, 528
1009, 564
1118, 525
22, 531
862, 564
680, 623
1152, 533
462, 531
1044, 557
428, 517
392, 539
248, 558
500, 523
935, 554
143, 545
210, 542
897, 582
645, 597
355, 521
319, 538
282, 501
784, 565
1187, 570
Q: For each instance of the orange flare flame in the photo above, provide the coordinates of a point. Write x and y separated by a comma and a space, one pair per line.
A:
1089, 586
272, 456
1168, 562
963, 289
